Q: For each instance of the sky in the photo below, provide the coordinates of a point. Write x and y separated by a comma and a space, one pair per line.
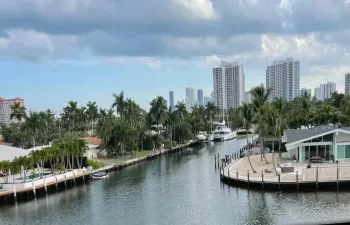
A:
53, 51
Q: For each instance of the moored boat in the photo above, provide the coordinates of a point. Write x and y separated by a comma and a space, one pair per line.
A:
99, 175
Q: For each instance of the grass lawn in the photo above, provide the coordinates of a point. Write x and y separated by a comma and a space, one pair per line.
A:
140, 154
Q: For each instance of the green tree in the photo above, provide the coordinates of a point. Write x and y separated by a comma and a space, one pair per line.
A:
247, 113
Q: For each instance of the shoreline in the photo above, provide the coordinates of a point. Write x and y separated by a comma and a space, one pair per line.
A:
44, 185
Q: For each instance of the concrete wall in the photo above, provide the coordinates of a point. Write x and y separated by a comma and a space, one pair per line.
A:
40, 182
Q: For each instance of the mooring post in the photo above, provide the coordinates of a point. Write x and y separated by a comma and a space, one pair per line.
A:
45, 186
56, 181
14, 191
215, 160
65, 180
74, 176
297, 180
262, 179
228, 173
316, 177
248, 178
236, 174
279, 181
337, 176
33, 186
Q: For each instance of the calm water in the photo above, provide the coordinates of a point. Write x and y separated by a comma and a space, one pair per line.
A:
181, 188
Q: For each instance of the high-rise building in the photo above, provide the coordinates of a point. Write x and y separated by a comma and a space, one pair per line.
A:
347, 84
206, 100
5, 110
325, 91
228, 84
304, 91
247, 97
190, 99
171, 101
200, 97
283, 77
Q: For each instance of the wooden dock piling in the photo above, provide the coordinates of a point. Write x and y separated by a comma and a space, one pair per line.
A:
337, 176
316, 177
248, 178
297, 178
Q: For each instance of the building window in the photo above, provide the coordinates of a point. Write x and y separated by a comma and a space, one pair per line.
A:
343, 151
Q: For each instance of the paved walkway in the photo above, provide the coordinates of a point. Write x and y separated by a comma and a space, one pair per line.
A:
324, 171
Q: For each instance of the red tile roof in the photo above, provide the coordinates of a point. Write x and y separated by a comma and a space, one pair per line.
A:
92, 140
4, 143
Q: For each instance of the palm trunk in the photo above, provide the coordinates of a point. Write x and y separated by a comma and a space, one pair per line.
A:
72, 161
261, 140
81, 162
279, 148
33, 141
273, 154
248, 155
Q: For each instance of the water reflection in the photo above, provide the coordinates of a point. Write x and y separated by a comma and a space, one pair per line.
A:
180, 188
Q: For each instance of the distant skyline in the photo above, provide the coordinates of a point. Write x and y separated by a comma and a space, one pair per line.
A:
51, 58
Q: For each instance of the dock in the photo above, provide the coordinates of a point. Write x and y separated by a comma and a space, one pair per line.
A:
321, 176
18, 190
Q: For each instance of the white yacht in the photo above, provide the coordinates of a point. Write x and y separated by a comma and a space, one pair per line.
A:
201, 136
223, 133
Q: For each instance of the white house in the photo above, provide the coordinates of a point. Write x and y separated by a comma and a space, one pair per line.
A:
322, 141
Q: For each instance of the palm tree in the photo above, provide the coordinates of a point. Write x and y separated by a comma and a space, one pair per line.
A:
211, 111
260, 96
271, 118
119, 103
159, 111
33, 125
280, 105
247, 113
70, 114
92, 114
181, 110
18, 111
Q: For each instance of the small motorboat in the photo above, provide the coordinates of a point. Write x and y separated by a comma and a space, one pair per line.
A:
99, 175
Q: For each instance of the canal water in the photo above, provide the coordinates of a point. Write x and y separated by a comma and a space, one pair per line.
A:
177, 189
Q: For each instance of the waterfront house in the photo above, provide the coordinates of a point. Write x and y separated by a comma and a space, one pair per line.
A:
93, 144
323, 142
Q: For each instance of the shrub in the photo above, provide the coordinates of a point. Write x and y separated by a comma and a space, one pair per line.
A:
95, 165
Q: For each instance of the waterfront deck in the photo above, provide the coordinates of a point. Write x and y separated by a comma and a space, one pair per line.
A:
319, 175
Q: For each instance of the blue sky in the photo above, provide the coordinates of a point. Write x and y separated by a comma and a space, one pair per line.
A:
52, 52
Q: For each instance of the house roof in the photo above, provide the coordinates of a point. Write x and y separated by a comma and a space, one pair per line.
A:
295, 135
93, 140
9, 153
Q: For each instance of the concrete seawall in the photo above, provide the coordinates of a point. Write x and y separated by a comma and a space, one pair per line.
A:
21, 190
327, 176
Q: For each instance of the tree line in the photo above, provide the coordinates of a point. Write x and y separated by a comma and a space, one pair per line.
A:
124, 127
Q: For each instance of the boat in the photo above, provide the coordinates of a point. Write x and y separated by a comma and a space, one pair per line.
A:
223, 133
201, 136
99, 175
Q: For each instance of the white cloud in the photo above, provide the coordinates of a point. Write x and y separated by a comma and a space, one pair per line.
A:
200, 8
305, 48
33, 45
212, 60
